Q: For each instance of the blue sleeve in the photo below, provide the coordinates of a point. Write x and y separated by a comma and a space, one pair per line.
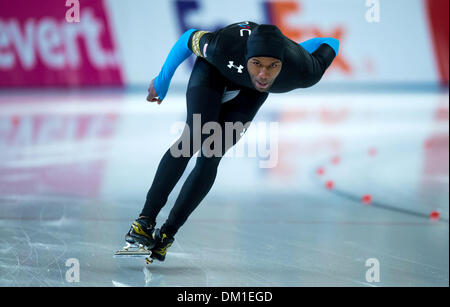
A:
179, 52
311, 45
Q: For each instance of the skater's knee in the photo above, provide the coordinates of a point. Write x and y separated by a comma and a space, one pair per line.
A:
205, 164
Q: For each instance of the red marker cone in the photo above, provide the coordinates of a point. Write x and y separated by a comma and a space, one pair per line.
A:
336, 160
15, 120
367, 199
320, 171
434, 215
373, 152
329, 184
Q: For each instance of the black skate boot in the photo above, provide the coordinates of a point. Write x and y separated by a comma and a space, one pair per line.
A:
163, 242
141, 232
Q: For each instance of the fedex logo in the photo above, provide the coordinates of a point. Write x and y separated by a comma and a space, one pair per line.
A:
278, 12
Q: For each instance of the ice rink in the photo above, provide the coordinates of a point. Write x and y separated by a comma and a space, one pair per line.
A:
339, 186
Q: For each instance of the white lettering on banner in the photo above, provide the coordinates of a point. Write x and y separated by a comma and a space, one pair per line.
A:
49, 41
55, 43
93, 28
6, 58
23, 44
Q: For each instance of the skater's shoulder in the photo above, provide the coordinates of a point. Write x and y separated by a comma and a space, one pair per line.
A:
238, 29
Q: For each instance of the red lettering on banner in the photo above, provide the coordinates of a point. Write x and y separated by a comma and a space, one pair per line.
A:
278, 13
339, 61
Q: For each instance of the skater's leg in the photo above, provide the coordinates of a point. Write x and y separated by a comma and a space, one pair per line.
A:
241, 109
203, 98
195, 188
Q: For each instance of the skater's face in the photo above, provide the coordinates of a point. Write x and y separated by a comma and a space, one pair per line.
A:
263, 72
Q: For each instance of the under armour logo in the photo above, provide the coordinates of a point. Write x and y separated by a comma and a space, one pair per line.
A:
239, 68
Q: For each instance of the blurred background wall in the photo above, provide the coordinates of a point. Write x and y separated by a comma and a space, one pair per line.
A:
124, 43
60, 112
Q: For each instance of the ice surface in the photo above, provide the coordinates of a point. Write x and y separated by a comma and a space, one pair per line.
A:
74, 173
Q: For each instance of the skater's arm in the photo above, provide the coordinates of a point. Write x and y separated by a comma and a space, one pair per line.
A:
179, 52
322, 52
313, 44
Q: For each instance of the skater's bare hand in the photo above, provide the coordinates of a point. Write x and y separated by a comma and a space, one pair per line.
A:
152, 95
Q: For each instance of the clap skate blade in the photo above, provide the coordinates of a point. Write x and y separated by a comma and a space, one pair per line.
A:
133, 250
